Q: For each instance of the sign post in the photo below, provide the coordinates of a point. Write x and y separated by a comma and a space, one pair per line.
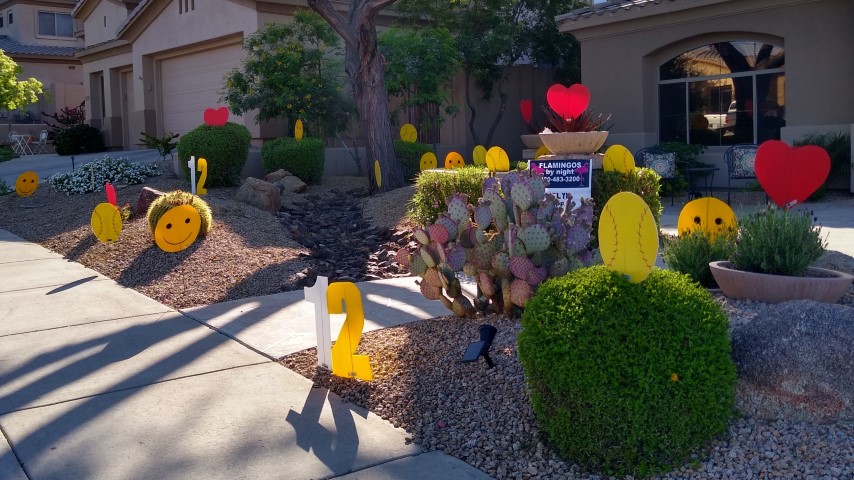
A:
316, 294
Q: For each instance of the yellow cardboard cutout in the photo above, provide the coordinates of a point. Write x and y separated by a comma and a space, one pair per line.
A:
628, 237
542, 151
408, 133
178, 228
428, 161
106, 222
618, 159
454, 160
27, 183
378, 174
202, 166
479, 155
709, 214
497, 157
344, 363
298, 131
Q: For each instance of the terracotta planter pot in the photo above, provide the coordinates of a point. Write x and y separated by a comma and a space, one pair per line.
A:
766, 288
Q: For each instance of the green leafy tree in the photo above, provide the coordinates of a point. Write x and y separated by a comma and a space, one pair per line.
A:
290, 70
15, 93
420, 65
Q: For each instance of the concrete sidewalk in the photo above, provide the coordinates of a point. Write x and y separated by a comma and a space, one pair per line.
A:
47, 164
99, 381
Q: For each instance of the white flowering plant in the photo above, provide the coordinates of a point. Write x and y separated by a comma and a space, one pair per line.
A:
92, 176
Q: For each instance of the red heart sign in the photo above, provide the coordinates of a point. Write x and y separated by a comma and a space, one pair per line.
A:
216, 118
527, 108
790, 175
568, 102
111, 193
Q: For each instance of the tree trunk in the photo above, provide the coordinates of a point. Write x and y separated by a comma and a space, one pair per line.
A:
366, 72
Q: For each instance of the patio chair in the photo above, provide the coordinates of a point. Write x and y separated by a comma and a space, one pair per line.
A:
660, 161
739, 164
39, 147
15, 142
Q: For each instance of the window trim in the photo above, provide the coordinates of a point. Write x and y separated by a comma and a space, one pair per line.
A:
54, 13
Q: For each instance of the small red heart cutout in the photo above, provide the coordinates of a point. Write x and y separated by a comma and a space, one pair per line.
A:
568, 102
111, 193
216, 117
527, 108
790, 175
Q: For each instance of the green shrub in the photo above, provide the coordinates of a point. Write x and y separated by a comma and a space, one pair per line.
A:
838, 147
409, 155
624, 377
6, 153
164, 144
432, 188
643, 181
304, 158
78, 139
778, 242
225, 148
163, 204
91, 176
691, 252
5, 189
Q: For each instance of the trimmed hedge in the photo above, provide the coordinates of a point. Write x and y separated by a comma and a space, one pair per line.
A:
225, 148
642, 181
433, 187
78, 139
627, 378
304, 158
409, 156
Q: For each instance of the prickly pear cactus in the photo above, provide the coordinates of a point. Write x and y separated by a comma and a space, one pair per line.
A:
509, 241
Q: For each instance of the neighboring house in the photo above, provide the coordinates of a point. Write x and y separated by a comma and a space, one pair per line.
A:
39, 37
717, 72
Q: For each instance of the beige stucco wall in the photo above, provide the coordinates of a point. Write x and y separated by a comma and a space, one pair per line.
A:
93, 25
620, 56
63, 80
24, 27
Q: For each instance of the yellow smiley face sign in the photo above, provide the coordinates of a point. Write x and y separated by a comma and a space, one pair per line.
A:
106, 223
618, 159
479, 155
178, 228
27, 183
542, 151
298, 130
628, 237
429, 161
454, 160
408, 133
709, 214
378, 174
497, 160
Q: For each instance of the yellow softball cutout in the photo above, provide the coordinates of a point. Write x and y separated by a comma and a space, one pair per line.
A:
178, 228
428, 161
408, 133
479, 155
497, 160
454, 160
628, 237
378, 174
618, 159
298, 130
27, 183
106, 222
542, 151
710, 214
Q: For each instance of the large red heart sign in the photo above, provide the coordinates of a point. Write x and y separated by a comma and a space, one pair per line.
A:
568, 102
790, 175
216, 118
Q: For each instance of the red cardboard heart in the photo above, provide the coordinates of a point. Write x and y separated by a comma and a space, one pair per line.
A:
527, 108
111, 193
216, 118
790, 175
568, 102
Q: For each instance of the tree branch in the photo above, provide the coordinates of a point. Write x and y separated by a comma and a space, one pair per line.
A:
335, 20
376, 5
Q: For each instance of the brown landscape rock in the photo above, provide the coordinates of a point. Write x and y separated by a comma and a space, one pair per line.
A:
290, 184
277, 175
146, 197
259, 193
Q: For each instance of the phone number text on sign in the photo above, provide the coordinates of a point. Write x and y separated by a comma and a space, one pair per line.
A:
563, 174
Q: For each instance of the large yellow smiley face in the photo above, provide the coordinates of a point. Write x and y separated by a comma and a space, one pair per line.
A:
709, 214
177, 229
26, 183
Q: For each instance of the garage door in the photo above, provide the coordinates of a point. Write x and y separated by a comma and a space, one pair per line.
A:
191, 83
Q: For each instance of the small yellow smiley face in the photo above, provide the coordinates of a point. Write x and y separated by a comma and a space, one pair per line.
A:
709, 214
26, 183
106, 222
454, 160
178, 228
429, 161
408, 133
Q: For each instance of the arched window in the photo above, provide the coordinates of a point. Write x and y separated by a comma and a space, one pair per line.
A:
722, 94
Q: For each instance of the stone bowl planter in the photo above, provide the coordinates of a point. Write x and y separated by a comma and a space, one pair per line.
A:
824, 285
532, 141
563, 143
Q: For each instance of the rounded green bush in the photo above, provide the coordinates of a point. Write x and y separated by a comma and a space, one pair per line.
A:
225, 148
409, 155
78, 139
627, 378
691, 252
162, 204
642, 181
304, 158
433, 187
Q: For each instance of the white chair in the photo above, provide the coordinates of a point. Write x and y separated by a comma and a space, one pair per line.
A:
15, 140
39, 147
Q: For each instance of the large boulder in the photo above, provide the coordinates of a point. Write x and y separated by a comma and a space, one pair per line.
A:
795, 361
279, 174
290, 184
146, 197
259, 193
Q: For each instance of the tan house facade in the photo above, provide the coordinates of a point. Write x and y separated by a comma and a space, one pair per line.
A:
717, 72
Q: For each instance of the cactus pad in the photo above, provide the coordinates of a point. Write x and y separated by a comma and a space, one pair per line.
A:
487, 286
483, 215
402, 257
456, 258
450, 224
523, 195
536, 238
421, 235
458, 206
501, 264
430, 257
430, 292
520, 292
521, 266
482, 256
537, 276
470, 269
417, 265
438, 233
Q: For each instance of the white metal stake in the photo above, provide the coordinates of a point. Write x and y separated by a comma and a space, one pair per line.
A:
192, 164
317, 295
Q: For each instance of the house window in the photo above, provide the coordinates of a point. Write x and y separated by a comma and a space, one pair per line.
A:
1, 21
53, 24
10, 18
185, 6
722, 94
